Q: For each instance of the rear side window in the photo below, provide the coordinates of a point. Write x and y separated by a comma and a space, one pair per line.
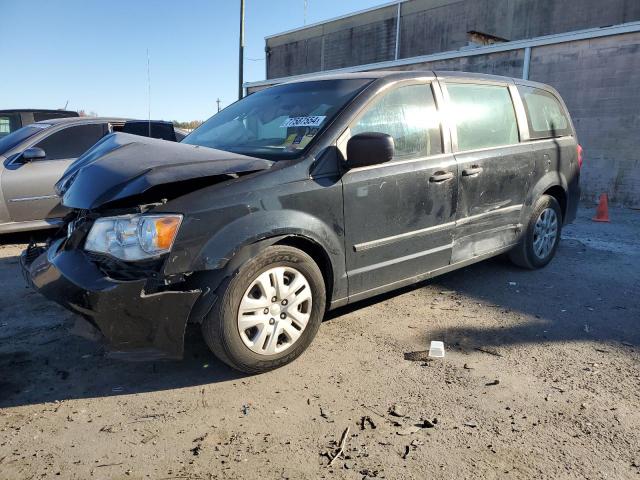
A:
484, 115
72, 141
410, 116
545, 115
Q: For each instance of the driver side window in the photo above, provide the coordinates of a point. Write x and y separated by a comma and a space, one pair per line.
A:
72, 141
410, 116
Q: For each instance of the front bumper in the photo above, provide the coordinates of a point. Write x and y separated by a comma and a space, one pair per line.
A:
133, 322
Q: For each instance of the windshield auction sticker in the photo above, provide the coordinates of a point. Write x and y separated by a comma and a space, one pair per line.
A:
314, 121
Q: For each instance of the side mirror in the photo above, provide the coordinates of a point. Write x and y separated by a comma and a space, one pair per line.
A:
33, 153
370, 148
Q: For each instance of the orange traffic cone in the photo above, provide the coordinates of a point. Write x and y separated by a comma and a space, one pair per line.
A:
602, 212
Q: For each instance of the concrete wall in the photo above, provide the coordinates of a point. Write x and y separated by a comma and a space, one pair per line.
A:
430, 26
599, 80
366, 38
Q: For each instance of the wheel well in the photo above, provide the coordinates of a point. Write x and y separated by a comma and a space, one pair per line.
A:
560, 195
318, 254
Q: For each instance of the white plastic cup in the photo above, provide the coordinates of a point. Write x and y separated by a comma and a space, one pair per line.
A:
436, 349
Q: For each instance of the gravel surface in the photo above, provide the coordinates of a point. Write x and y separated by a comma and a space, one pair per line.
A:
540, 380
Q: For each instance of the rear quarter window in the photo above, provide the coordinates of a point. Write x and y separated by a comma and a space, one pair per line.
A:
484, 115
545, 115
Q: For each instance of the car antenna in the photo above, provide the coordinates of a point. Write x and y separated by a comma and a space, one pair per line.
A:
149, 91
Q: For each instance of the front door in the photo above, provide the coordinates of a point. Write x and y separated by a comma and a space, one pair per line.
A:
495, 168
28, 187
399, 216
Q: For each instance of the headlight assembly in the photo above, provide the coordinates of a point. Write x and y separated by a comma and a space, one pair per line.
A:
133, 237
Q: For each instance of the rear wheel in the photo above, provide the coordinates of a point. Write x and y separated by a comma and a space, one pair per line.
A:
269, 312
541, 237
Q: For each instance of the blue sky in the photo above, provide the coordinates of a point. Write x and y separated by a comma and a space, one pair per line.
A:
94, 53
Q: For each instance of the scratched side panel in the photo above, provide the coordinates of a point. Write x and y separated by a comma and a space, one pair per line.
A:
398, 223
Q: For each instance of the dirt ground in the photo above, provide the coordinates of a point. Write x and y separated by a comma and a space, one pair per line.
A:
541, 379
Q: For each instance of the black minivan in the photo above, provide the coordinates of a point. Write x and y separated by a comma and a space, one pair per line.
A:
302, 198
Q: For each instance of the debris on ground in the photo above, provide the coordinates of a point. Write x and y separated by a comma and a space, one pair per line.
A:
419, 356
324, 414
429, 423
198, 447
436, 350
493, 382
341, 445
411, 447
490, 351
397, 411
408, 431
367, 421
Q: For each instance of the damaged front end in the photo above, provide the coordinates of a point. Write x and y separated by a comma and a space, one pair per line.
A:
137, 311
99, 265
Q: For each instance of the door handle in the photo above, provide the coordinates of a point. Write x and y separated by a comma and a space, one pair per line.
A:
472, 171
441, 177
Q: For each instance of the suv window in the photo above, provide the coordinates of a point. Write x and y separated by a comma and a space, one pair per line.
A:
39, 116
9, 122
545, 115
72, 141
410, 116
483, 114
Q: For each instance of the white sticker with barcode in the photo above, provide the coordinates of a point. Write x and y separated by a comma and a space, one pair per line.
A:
314, 121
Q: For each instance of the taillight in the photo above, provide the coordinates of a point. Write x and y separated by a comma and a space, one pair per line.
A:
579, 151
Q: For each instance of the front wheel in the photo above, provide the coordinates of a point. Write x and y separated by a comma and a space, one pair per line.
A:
269, 312
541, 237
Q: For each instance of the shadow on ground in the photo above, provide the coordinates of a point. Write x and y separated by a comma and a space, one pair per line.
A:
584, 295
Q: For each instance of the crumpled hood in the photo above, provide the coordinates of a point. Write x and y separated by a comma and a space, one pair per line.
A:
122, 165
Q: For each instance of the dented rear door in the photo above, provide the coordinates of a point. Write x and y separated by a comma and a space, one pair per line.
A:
494, 166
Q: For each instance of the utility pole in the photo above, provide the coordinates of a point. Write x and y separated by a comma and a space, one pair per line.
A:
241, 52
218, 102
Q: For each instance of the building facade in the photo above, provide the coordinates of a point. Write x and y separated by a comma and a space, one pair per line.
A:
589, 50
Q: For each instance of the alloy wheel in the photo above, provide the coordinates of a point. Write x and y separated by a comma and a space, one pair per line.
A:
545, 233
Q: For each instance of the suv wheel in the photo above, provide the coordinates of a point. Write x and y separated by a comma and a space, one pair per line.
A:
268, 313
542, 235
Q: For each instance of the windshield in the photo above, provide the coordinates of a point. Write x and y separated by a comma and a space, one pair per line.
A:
279, 122
15, 138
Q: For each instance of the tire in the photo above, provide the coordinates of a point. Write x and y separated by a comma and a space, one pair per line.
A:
526, 253
221, 327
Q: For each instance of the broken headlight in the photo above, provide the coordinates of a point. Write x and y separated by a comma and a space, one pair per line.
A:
133, 237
